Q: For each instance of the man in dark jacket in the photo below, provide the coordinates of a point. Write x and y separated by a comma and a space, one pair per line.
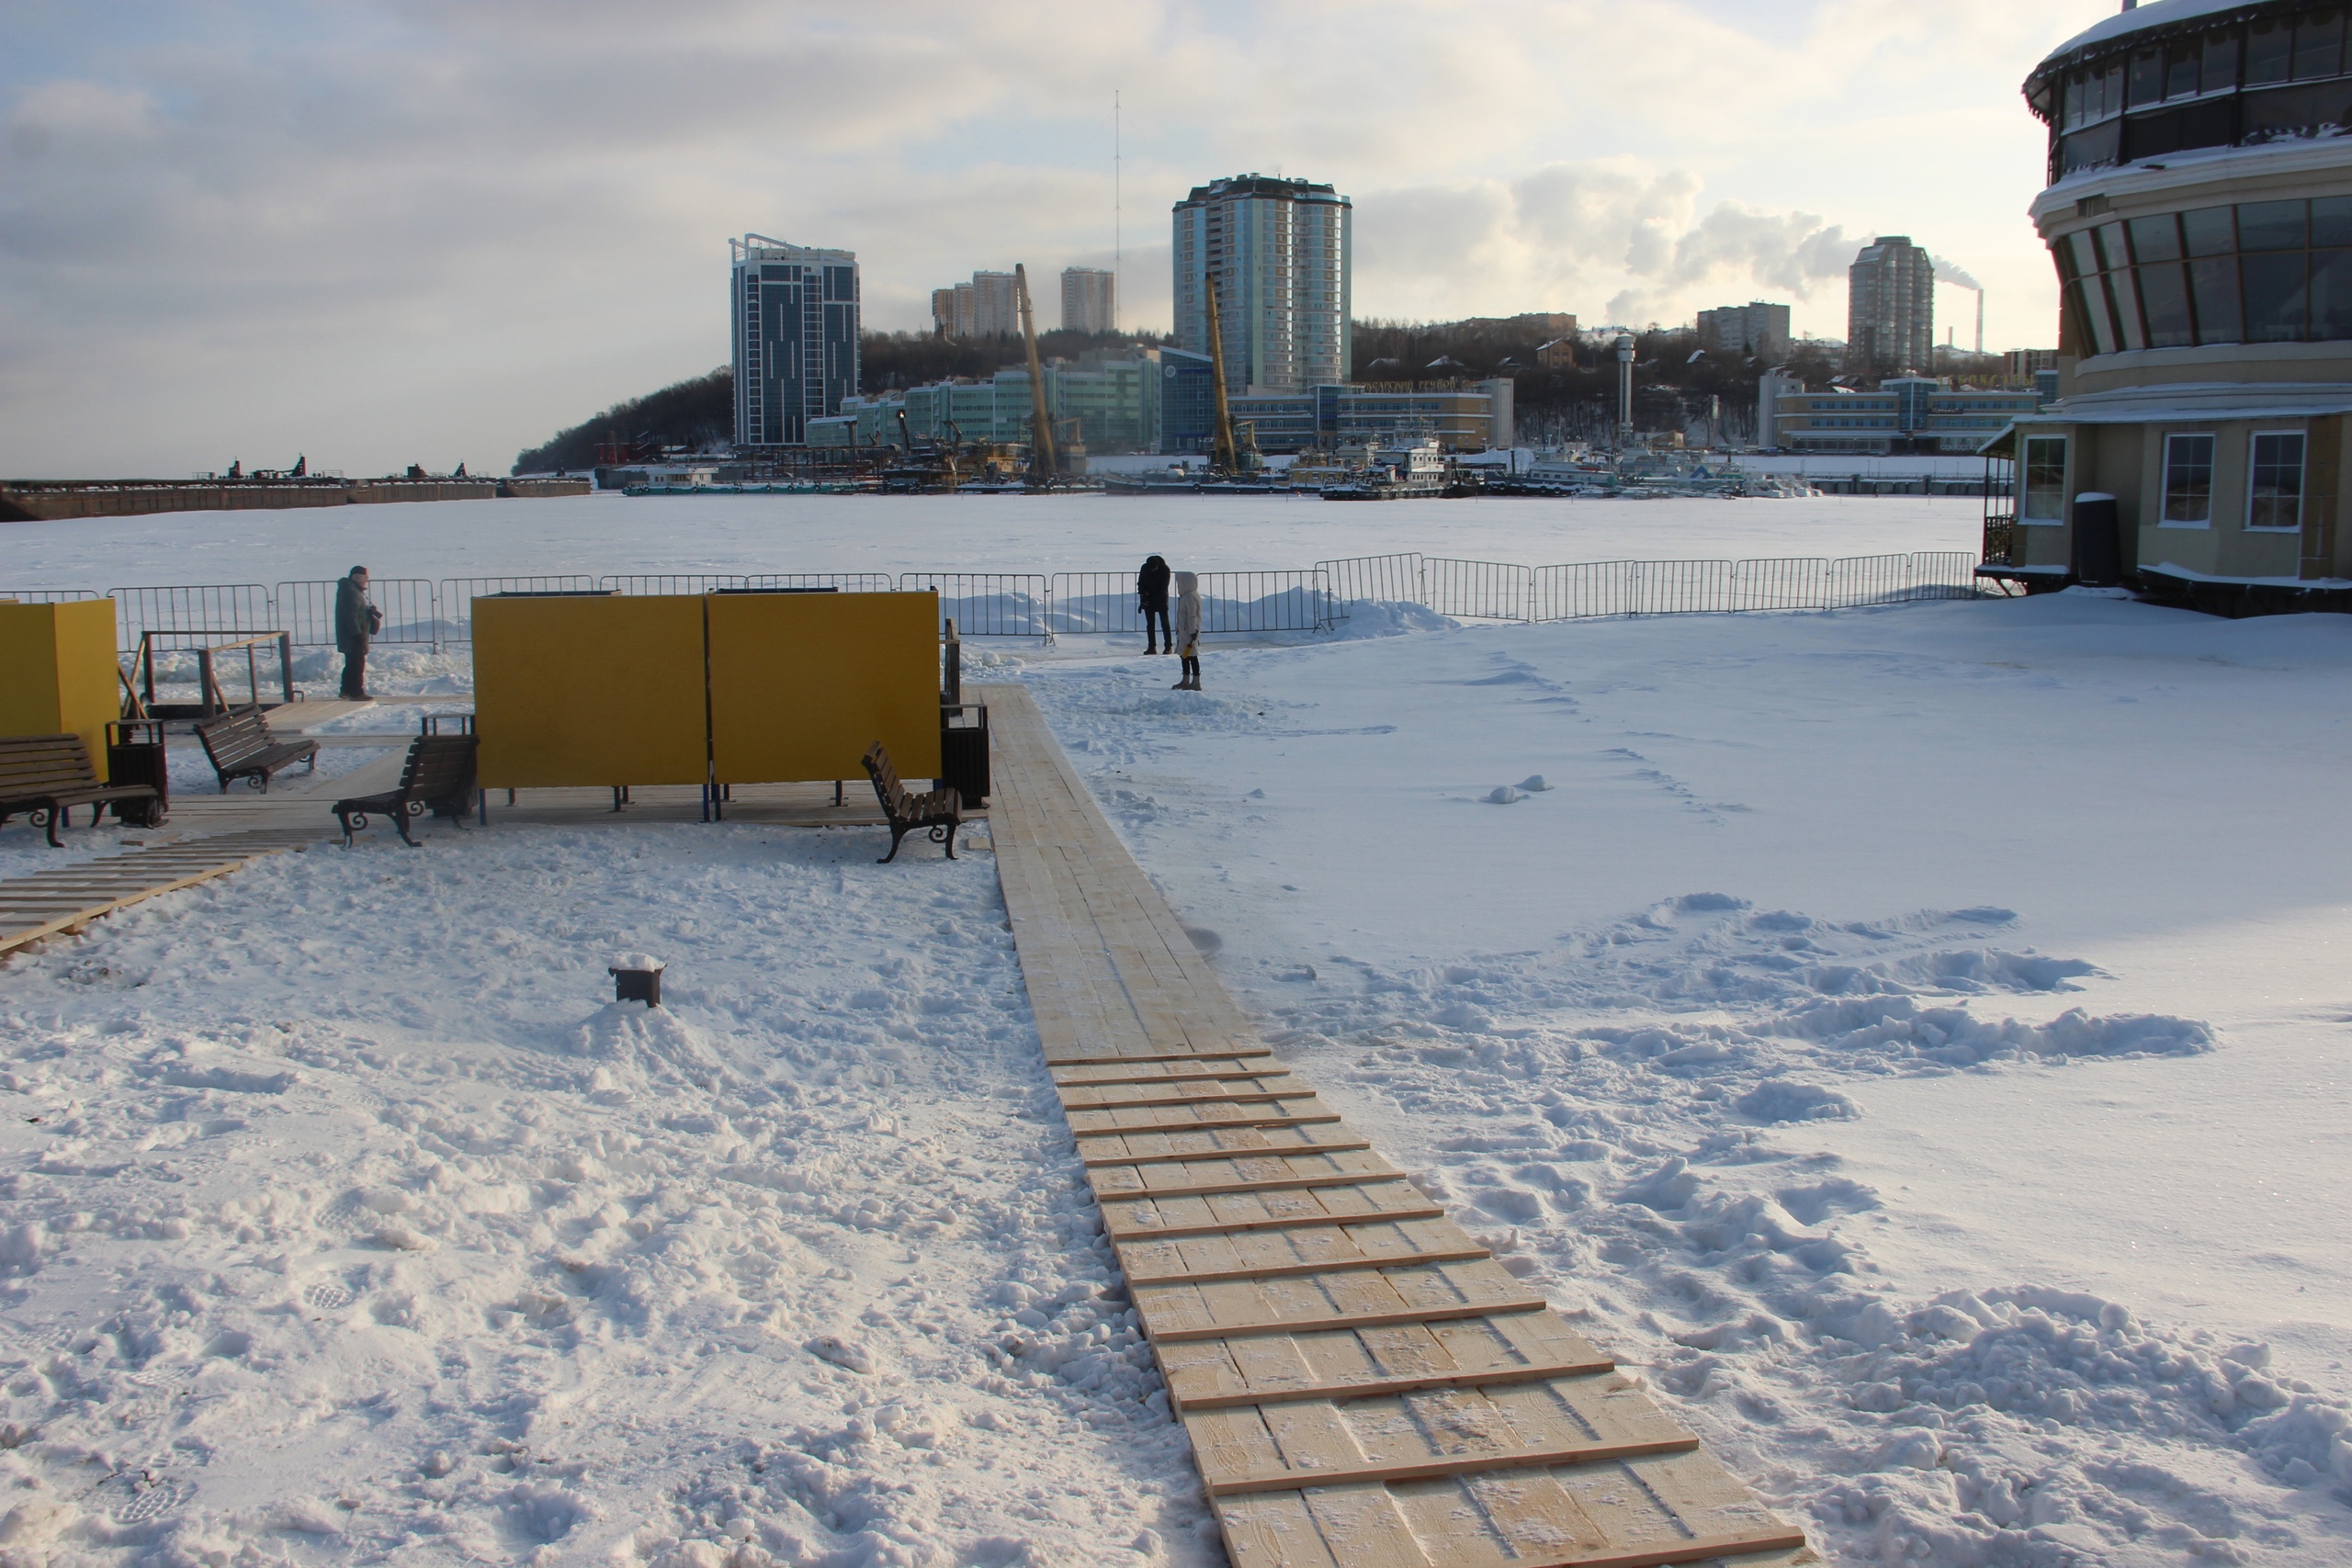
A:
1151, 597
356, 622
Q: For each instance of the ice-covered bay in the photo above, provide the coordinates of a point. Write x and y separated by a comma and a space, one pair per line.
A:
617, 534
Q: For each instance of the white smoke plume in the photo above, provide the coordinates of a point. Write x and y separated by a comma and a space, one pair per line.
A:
1952, 271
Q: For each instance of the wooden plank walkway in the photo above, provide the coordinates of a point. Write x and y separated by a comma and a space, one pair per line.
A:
69, 898
1364, 1385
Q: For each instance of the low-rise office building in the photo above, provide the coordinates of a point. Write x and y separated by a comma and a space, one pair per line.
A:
1908, 413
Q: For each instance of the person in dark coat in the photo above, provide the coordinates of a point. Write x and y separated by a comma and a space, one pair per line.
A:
356, 622
1151, 597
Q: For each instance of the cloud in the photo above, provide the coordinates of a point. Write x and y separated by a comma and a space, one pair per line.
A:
1567, 236
385, 231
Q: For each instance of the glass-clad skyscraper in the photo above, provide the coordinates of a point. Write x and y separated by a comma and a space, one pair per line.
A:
796, 327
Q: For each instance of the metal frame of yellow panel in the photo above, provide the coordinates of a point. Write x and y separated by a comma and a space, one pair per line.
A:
590, 690
802, 683
62, 673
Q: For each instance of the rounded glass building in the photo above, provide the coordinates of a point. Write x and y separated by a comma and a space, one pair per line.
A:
2199, 209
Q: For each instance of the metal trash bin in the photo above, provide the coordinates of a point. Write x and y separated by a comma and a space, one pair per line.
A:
135, 756
964, 751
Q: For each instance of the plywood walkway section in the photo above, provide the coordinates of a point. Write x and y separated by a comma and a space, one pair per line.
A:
66, 900
1364, 1385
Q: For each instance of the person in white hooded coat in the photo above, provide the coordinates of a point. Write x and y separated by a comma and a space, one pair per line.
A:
1188, 629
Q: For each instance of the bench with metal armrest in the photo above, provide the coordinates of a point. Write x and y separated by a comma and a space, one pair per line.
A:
48, 775
940, 811
437, 777
241, 745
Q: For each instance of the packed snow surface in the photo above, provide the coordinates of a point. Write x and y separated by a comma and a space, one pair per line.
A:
1917, 1036
347, 1218
1914, 1039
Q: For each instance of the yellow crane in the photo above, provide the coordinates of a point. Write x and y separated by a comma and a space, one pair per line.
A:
1042, 464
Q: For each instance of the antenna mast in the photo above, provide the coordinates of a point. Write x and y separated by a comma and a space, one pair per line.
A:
1119, 220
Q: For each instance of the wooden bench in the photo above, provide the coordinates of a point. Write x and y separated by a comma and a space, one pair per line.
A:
48, 775
939, 810
240, 745
439, 777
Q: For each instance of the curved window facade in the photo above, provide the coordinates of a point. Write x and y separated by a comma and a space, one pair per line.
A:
2257, 272
2282, 76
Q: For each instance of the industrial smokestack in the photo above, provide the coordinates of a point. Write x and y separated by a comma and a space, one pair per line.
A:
1626, 393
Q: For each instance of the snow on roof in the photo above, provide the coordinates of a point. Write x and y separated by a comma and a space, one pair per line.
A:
2156, 15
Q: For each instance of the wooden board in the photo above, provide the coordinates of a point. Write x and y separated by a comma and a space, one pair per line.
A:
48, 903
1364, 1384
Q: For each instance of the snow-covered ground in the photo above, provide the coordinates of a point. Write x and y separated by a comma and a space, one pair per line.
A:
1918, 1035
617, 534
348, 1220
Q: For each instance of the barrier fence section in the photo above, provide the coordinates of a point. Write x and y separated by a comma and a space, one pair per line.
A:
987, 603
1894, 580
1385, 579
47, 595
410, 605
458, 593
1475, 589
242, 607
716, 582
1285, 600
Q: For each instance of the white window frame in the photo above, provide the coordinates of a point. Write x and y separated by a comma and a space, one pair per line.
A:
2024, 468
2164, 481
2303, 485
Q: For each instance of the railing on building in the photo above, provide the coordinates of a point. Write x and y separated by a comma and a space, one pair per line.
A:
2001, 511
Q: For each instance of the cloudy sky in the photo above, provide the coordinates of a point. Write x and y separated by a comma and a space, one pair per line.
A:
380, 232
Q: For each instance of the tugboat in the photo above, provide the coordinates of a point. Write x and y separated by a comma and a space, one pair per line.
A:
1397, 473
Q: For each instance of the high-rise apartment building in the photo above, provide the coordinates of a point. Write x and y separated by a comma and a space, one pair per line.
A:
1890, 308
1281, 253
989, 306
796, 324
1089, 301
1754, 328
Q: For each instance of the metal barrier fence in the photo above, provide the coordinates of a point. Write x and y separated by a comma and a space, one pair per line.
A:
1230, 601
1894, 580
710, 583
458, 593
987, 603
1029, 604
1387, 580
1589, 589
410, 606
1474, 590
242, 608
47, 595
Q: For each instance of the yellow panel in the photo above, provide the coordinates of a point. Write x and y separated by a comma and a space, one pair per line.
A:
88, 697
61, 671
802, 683
590, 690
